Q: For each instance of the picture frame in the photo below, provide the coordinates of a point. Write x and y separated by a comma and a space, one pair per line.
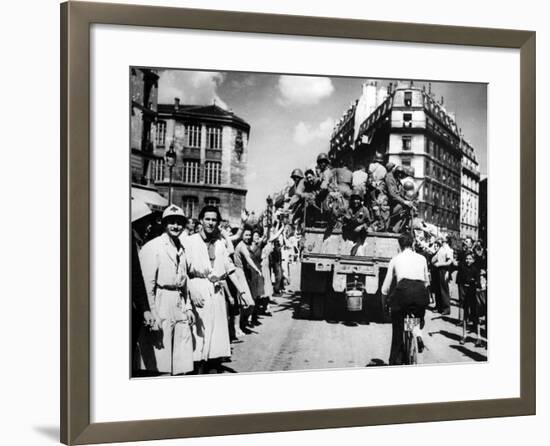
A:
76, 19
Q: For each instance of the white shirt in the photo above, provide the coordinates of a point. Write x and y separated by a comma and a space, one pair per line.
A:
406, 265
359, 178
444, 255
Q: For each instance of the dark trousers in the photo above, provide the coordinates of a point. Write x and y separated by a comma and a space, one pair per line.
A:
442, 298
279, 278
397, 352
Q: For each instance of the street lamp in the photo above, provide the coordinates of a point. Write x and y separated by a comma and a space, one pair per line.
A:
170, 159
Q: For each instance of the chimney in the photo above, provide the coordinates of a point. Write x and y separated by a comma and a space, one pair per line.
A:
442, 100
430, 88
176, 103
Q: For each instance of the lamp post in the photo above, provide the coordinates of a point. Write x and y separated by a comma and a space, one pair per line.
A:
170, 159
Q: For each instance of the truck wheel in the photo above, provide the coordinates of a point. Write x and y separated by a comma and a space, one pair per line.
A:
317, 306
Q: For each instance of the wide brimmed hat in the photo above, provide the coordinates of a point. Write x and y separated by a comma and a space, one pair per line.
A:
173, 211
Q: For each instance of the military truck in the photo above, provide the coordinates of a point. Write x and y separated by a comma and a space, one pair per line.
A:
341, 286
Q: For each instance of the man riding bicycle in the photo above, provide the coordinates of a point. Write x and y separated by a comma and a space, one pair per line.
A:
409, 296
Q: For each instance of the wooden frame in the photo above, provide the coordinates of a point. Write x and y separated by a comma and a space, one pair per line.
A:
76, 18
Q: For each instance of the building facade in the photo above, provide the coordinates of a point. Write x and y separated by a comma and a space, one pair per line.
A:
143, 115
412, 129
469, 193
483, 211
211, 151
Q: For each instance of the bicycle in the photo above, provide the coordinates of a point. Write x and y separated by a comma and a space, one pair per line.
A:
409, 338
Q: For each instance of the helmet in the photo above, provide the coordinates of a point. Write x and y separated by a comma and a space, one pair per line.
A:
297, 173
379, 157
173, 211
408, 185
390, 166
399, 170
322, 157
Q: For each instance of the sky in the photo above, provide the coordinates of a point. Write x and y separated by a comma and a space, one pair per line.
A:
292, 117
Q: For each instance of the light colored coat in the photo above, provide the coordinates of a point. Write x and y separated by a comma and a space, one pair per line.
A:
170, 348
211, 331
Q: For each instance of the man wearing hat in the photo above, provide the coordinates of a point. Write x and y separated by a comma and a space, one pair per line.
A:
399, 206
377, 194
323, 171
163, 264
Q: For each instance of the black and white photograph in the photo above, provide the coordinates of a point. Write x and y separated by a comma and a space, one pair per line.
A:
284, 222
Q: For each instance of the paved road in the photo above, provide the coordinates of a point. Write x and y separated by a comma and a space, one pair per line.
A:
289, 340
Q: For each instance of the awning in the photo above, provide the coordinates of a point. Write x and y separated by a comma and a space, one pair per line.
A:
153, 199
139, 209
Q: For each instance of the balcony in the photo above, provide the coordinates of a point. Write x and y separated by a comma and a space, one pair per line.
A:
191, 152
214, 154
415, 123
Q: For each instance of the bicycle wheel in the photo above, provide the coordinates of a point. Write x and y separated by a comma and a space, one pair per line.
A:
413, 352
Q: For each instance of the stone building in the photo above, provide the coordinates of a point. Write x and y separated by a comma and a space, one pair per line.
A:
211, 147
469, 193
483, 211
143, 152
411, 128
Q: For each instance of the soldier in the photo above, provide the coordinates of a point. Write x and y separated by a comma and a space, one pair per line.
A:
377, 193
399, 206
343, 177
297, 176
356, 221
163, 263
323, 172
359, 179
295, 201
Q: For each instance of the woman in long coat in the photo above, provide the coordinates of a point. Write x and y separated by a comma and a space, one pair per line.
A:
208, 264
163, 265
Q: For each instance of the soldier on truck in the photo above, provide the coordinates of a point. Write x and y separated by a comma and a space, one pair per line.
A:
356, 222
400, 207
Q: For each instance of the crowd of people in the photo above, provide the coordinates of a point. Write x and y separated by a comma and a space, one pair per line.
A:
381, 197
198, 285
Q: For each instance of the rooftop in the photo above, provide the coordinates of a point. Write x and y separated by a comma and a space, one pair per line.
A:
213, 112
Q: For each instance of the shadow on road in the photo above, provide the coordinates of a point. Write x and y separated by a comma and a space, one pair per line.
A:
471, 354
376, 362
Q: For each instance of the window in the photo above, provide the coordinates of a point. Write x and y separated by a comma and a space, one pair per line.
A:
212, 172
160, 137
193, 135
190, 206
213, 138
407, 119
190, 172
212, 201
408, 98
406, 142
239, 146
431, 149
157, 170
406, 162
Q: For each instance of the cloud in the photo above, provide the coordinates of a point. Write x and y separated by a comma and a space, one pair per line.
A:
304, 133
304, 90
192, 87
248, 81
